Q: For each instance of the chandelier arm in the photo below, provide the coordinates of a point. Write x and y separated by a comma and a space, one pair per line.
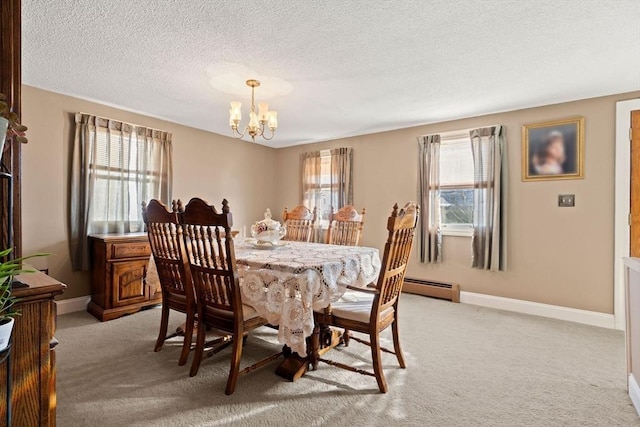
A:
271, 137
238, 133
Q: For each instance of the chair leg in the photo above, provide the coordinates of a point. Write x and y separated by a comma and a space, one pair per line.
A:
188, 336
377, 362
314, 347
346, 337
197, 357
164, 324
234, 371
396, 343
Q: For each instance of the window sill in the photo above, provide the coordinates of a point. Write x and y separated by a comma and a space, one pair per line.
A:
458, 233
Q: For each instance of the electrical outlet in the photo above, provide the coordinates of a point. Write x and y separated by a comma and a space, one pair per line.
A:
566, 200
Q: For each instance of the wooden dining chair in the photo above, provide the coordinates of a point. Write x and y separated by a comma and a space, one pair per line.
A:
300, 223
345, 226
212, 262
372, 310
165, 234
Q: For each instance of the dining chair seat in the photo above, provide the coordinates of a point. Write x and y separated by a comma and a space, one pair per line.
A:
177, 300
248, 312
357, 306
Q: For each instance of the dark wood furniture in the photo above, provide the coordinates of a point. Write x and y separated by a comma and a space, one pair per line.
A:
11, 159
345, 226
33, 353
165, 234
300, 223
213, 267
119, 282
372, 310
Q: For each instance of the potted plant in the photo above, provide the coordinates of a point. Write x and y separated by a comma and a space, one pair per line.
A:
9, 125
9, 269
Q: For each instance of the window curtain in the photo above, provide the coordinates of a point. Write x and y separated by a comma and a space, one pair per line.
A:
341, 182
429, 196
311, 178
490, 198
115, 167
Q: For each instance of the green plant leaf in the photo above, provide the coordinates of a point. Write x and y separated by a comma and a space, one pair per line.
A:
8, 270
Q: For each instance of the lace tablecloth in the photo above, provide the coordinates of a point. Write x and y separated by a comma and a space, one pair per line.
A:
286, 284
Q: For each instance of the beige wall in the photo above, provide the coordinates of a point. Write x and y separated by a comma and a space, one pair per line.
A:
205, 165
560, 256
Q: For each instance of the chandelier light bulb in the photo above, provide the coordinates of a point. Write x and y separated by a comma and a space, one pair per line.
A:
263, 111
235, 113
272, 120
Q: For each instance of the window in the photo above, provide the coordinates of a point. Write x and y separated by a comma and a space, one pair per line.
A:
318, 188
456, 184
115, 167
124, 178
326, 181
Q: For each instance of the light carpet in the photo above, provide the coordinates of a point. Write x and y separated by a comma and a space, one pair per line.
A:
467, 366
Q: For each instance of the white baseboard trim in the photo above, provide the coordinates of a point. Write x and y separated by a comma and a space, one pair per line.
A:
592, 318
634, 392
71, 305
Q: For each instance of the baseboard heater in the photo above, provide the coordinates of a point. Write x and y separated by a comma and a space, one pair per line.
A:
429, 288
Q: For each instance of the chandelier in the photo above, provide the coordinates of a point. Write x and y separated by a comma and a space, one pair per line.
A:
257, 122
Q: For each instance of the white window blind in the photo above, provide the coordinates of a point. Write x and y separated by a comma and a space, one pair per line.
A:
456, 163
122, 181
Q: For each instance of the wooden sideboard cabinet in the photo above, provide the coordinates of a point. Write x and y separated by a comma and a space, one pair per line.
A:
33, 391
119, 281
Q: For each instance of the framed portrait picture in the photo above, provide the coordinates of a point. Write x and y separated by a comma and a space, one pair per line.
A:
553, 150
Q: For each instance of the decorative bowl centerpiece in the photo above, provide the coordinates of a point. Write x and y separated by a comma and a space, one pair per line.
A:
268, 231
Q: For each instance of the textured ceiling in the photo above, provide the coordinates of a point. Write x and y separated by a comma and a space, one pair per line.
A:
331, 68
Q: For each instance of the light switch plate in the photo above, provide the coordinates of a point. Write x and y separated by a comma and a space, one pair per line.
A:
566, 200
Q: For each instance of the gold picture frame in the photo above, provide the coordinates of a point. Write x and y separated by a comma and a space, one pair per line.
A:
553, 150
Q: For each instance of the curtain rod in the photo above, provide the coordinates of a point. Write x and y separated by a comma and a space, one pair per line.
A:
335, 148
123, 121
455, 133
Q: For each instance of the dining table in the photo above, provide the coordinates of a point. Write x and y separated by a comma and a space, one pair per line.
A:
286, 282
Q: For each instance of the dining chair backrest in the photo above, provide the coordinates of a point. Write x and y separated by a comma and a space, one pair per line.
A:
211, 257
345, 226
402, 228
165, 233
300, 223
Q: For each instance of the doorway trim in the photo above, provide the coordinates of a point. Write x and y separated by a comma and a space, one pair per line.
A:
622, 204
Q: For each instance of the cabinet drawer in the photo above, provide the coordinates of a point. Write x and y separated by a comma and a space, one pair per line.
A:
130, 250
